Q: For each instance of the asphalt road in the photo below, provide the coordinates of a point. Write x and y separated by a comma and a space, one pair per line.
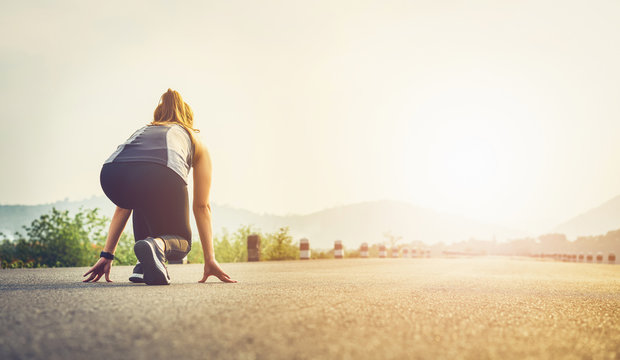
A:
482, 308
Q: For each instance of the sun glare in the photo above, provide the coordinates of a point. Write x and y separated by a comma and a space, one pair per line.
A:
473, 148
464, 171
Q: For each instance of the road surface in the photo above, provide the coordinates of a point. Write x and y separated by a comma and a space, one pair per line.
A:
479, 308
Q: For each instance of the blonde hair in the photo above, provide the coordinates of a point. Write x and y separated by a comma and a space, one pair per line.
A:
173, 110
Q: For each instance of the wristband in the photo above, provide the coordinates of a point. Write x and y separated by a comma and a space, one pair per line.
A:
106, 255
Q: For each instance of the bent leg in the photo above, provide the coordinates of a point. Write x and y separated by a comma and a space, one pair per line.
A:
164, 212
176, 246
140, 226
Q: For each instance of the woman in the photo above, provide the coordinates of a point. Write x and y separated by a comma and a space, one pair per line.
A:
147, 175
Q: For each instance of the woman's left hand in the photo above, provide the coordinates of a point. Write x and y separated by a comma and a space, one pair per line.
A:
102, 267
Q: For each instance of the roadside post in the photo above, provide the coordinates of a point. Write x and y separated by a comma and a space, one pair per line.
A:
304, 249
338, 252
382, 252
364, 250
253, 247
599, 257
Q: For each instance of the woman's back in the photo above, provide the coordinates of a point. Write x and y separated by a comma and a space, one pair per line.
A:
142, 177
167, 145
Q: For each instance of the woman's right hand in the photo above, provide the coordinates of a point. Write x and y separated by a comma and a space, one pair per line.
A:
213, 268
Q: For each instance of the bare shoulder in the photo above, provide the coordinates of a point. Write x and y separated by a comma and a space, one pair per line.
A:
200, 150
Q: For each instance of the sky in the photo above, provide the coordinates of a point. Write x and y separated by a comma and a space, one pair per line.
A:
504, 112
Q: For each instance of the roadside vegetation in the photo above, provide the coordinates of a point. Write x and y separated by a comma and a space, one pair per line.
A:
232, 247
57, 239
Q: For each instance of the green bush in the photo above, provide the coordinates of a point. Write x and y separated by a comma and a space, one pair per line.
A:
195, 255
279, 246
124, 254
57, 239
352, 253
321, 254
232, 247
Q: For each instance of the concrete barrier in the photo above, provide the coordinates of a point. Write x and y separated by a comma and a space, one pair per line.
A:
338, 252
364, 250
382, 252
304, 249
253, 247
611, 258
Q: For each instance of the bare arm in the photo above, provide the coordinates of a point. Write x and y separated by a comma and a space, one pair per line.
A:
202, 212
117, 225
201, 206
103, 265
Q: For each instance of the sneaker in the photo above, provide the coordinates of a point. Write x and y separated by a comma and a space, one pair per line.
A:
152, 259
138, 274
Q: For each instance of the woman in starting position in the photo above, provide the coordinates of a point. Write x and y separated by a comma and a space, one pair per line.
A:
147, 175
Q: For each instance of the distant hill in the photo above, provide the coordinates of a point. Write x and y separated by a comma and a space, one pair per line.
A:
353, 224
367, 222
599, 220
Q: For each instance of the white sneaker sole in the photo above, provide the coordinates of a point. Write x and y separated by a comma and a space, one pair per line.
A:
137, 278
155, 273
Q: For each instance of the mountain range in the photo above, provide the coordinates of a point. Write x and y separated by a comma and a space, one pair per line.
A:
599, 220
353, 224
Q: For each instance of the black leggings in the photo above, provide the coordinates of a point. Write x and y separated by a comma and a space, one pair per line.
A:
158, 197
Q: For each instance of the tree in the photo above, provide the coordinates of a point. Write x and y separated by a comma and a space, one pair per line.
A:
392, 239
279, 246
57, 239
552, 243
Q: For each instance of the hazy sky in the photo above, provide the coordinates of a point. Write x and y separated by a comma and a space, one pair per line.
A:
506, 112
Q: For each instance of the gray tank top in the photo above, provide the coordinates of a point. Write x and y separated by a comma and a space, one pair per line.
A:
168, 145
